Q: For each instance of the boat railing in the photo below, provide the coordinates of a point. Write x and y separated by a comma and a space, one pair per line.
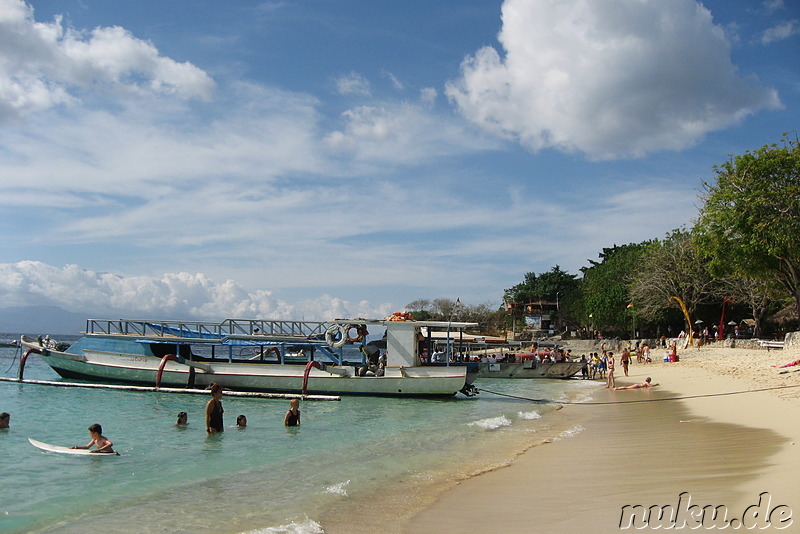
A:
207, 330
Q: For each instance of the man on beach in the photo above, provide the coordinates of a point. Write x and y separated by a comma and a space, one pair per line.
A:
646, 384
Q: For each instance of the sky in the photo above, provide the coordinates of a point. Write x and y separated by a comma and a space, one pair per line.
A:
311, 159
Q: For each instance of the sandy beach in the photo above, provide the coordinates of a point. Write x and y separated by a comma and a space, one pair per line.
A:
720, 444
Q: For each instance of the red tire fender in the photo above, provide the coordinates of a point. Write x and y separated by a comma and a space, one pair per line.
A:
161, 366
309, 365
22, 361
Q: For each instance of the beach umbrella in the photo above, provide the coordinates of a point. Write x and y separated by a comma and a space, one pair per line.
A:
699, 321
732, 323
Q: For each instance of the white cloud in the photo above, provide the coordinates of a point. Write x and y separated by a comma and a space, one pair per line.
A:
772, 5
396, 83
255, 185
612, 78
353, 84
401, 133
43, 64
781, 31
172, 296
427, 96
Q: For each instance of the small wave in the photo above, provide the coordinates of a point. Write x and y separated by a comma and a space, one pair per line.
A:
529, 415
492, 423
338, 489
309, 526
574, 431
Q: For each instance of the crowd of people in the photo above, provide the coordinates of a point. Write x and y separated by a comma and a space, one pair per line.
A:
213, 421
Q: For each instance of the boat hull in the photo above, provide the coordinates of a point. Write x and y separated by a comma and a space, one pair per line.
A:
528, 369
104, 367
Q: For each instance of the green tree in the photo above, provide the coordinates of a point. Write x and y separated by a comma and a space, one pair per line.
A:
750, 221
555, 285
606, 292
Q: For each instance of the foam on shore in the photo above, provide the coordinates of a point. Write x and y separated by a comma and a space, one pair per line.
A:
720, 450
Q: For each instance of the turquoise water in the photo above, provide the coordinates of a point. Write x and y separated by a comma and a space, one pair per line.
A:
265, 478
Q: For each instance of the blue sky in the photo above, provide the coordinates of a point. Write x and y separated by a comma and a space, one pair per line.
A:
316, 159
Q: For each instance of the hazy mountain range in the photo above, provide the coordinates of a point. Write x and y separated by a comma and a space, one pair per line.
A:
40, 320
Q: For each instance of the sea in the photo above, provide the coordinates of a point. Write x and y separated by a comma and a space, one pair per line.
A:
386, 455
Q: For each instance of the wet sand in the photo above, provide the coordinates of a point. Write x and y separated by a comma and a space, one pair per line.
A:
716, 450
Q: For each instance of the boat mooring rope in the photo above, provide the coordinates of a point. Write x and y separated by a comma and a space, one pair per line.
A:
16, 353
598, 403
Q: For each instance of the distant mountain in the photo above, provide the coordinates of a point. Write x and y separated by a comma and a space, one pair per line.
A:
41, 320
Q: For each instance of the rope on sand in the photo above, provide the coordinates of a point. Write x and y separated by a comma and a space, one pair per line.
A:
548, 401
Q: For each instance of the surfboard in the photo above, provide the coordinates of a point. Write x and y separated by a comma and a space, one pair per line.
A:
66, 450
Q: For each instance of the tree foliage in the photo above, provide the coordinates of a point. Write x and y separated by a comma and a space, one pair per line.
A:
491, 320
550, 286
606, 284
555, 285
745, 247
674, 267
761, 297
750, 222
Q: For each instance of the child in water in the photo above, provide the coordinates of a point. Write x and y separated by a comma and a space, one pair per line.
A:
102, 443
293, 415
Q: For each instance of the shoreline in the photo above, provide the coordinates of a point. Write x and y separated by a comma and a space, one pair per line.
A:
718, 450
394, 502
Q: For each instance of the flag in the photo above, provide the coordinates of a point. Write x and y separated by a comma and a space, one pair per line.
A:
630, 305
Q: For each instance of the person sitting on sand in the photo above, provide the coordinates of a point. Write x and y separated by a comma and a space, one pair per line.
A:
102, 443
646, 384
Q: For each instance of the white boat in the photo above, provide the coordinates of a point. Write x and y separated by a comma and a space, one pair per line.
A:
257, 355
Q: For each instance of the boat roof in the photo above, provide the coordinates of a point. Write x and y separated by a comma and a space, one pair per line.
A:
453, 325
242, 331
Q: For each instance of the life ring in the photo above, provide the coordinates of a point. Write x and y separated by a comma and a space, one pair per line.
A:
332, 331
361, 332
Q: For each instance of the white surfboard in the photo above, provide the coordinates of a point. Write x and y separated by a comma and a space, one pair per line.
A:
66, 450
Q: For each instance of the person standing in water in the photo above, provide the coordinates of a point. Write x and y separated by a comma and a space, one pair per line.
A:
293, 415
214, 411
